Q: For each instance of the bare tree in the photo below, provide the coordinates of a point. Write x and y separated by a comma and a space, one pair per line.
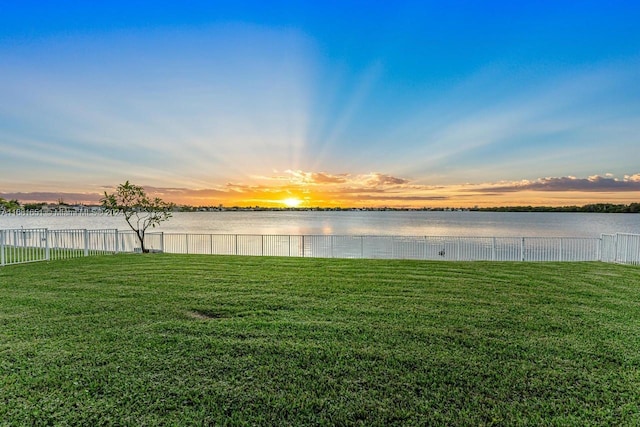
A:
140, 211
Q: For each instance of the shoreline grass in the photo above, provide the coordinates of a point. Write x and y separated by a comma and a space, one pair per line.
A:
221, 340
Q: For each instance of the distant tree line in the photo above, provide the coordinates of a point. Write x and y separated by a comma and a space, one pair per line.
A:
591, 208
9, 205
13, 205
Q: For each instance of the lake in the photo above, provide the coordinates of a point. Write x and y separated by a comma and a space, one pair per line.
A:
400, 223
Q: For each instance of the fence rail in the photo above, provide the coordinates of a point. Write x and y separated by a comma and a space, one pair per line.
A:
31, 245
387, 247
40, 244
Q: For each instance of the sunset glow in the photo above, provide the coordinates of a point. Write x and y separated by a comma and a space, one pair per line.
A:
401, 104
292, 202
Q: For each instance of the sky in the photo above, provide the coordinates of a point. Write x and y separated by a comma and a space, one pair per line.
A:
322, 103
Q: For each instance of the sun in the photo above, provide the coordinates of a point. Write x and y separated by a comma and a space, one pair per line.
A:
292, 202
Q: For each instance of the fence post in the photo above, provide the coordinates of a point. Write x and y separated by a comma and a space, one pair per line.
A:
86, 242
493, 249
361, 246
331, 246
522, 250
116, 237
423, 252
47, 247
600, 244
2, 260
303, 246
561, 240
162, 241
393, 247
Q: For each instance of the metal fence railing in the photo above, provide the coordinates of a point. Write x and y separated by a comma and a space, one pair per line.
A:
387, 247
31, 245
19, 246
621, 248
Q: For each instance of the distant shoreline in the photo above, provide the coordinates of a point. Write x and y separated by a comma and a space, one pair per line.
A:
81, 210
35, 212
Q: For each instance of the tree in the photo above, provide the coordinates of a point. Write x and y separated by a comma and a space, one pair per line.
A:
9, 205
33, 206
140, 211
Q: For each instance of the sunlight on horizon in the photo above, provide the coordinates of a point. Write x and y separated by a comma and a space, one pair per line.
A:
292, 202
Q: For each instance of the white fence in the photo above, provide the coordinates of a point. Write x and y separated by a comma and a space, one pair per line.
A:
621, 248
385, 247
30, 245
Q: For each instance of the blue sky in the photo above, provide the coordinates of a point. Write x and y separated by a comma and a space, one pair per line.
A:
328, 103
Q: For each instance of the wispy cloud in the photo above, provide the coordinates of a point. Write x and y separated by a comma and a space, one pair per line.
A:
490, 123
595, 184
52, 197
187, 107
373, 179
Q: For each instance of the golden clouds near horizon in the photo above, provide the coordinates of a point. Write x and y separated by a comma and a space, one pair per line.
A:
375, 190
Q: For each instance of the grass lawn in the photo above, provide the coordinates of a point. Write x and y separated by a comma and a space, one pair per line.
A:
214, 340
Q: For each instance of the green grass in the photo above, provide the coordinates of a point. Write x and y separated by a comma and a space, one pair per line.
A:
211, 340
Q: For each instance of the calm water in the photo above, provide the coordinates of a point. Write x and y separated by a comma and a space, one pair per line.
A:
498, 224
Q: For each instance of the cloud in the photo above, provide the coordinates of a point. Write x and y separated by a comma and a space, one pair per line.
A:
301, 177
594, 183
48, 196
315, 187
379, 179
373, 179
185, 192
553, 124
323, 178
391, 197
200, 104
